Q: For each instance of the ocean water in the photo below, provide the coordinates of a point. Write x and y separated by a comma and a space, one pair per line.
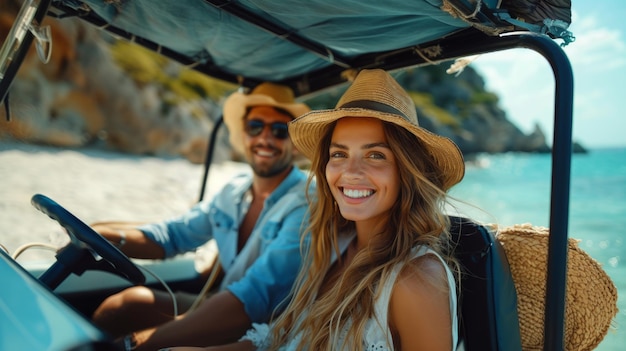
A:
514, 188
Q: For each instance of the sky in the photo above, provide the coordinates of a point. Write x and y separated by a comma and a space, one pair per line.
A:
525, 83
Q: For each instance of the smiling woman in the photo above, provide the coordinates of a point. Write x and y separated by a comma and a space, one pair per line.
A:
381, 182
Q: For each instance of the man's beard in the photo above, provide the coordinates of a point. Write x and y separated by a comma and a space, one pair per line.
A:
273, 170
270, 169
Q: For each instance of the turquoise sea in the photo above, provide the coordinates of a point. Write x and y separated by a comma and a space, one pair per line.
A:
515, 188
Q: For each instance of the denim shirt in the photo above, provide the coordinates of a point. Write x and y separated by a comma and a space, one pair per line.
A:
262, 274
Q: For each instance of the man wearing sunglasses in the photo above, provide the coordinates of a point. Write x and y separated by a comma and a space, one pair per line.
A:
256, 221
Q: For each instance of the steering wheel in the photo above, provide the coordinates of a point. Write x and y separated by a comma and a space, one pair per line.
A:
87, 249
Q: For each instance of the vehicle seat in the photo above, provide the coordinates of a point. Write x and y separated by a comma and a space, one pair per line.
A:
488, 317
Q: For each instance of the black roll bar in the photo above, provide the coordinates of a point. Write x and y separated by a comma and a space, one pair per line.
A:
209, 155
560, 188
561, 174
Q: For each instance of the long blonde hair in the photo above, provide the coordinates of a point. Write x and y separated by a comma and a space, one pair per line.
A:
416, 218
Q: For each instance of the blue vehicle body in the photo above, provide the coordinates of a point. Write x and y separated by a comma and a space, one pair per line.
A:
34, 318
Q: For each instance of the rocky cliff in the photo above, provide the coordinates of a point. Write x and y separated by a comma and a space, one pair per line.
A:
99, 91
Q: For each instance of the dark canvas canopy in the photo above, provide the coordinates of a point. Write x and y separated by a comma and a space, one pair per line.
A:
299, 42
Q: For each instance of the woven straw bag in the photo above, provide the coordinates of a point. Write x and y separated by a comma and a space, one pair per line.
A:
591, 296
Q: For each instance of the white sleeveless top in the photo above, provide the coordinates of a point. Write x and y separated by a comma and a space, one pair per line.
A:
377, 335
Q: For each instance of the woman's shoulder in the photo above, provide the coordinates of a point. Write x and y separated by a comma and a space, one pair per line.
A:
423, 270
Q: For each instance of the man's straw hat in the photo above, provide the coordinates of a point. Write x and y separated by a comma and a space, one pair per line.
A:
264, 94
374, 93
591, 297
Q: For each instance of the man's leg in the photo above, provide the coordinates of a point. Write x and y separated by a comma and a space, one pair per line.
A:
138, 308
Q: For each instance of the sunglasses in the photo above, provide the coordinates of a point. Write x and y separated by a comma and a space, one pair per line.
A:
255, 127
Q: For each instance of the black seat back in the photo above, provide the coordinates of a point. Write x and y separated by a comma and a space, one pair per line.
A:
488, 300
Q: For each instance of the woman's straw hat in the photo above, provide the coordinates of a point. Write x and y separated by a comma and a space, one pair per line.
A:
374, 93
264, 94
591, 297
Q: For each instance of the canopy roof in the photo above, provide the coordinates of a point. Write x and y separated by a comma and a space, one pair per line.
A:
309, 44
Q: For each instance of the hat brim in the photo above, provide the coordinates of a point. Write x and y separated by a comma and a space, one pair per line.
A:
307, 130
235, 108
591, 298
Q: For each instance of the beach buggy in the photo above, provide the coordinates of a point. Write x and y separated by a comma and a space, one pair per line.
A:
309, 46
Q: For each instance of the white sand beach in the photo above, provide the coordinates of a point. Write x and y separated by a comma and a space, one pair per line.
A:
94, 185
